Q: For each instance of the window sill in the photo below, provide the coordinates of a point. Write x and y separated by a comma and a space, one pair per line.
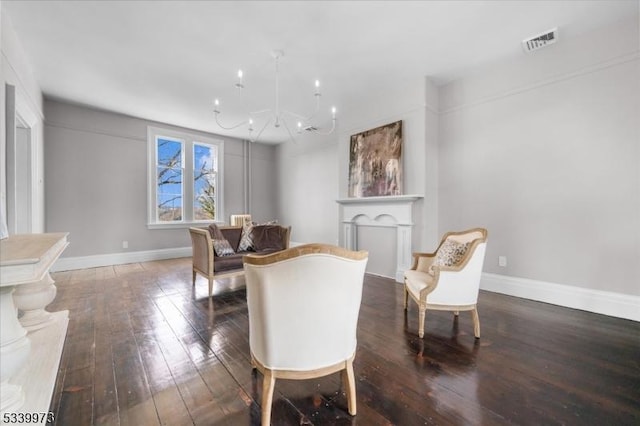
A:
158, 225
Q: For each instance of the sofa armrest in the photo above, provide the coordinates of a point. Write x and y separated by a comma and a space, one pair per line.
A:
286, 237
202, 248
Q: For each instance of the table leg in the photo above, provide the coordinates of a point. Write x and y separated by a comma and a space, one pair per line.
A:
14, 351
31, 299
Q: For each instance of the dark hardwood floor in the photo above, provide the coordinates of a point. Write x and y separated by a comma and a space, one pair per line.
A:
143, 348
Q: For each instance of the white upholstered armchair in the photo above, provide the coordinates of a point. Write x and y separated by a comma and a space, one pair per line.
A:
449, 279
303, 306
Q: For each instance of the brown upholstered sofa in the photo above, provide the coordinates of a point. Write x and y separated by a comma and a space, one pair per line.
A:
266, 238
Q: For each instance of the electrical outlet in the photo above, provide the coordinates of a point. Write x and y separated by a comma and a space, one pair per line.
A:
502, 261
125, 244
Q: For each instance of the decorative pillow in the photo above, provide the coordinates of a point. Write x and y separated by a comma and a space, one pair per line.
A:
222, 247
449, 254
216, 233
268, 237
246, 239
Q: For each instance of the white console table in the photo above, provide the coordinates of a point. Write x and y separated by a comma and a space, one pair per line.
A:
30, 346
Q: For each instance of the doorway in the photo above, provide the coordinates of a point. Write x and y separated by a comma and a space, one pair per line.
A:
20, 164
23, 178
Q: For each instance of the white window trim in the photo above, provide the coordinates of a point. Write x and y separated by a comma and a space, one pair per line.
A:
188, 139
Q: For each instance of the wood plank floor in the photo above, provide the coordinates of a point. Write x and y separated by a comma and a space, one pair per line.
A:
144, 348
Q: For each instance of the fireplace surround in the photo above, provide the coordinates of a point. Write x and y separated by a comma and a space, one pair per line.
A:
376, 211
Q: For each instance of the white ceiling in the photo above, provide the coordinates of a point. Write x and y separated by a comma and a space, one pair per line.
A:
167, 60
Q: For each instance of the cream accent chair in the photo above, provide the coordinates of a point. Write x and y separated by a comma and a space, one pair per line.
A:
303, 311
449, 288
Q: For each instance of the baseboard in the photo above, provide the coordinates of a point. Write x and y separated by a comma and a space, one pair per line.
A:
601, 302
98, 260
82, 262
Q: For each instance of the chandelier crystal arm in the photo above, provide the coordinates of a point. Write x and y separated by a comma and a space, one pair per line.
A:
328, 132
262, 111
291, 137
307, 118
253, 139
300, 117
242, 123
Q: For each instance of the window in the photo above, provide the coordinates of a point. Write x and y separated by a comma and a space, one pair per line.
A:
168, 186
185, 179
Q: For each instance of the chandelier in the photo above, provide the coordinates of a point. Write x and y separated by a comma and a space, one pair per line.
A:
276, 116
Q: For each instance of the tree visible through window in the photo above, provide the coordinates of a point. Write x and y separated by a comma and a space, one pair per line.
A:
204, 180
185, 180
169, 180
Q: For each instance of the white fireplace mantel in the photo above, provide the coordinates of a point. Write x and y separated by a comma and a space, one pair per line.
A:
375, 210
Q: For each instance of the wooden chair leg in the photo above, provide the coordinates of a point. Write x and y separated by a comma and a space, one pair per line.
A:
210, 286
476, 322
194, 277
349, 382
268, 384
421, 318
406, 297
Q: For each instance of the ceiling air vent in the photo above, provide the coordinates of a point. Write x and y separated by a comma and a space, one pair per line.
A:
540, 41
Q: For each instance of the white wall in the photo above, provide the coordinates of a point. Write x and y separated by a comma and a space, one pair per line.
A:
96, 182
3, 137
262, 176
23, 181
544, 151
307, 186
3, 141
16, 71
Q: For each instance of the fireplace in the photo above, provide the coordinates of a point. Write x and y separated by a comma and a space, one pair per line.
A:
391, 211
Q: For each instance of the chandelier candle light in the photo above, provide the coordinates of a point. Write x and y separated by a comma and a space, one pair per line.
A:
277, 116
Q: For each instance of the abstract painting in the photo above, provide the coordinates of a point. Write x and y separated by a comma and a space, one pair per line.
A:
375, 162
